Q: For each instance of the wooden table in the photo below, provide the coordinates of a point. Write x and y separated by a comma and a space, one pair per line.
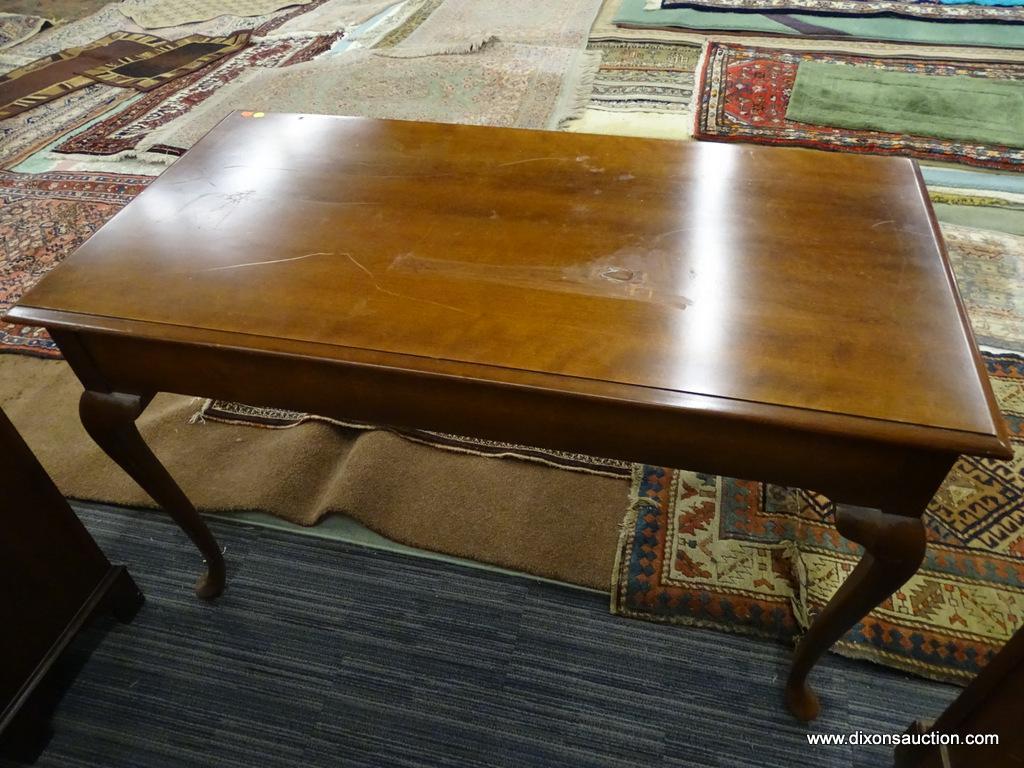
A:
775, 314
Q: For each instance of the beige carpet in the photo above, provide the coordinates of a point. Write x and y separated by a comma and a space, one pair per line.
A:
554, 523
521, 86
158, 14
458, 26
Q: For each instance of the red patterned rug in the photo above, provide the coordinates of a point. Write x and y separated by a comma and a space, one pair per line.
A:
126, 127
752, 558
744, 93
43, 218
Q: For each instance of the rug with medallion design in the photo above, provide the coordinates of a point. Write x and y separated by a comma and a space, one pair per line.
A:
753, 558
744, 95
43, 218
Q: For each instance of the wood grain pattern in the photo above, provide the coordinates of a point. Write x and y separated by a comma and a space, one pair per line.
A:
783, 277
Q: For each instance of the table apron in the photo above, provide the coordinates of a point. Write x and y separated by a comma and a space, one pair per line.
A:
846, 469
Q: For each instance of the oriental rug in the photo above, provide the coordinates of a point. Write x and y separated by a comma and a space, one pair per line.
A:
123, 59
753, 558
60, 73
1008, 12
458, 26
110, 19
275, 418
156, 14
744, 93
989, 269
502, 84
884, 35
123, 129
26, 133
43, 218
644, 77
18, 27
979, 110
168, 62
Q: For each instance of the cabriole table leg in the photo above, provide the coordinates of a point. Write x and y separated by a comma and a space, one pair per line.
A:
109, 418
894, 548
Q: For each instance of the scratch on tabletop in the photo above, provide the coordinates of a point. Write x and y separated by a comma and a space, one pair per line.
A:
263, 263
382, 289
530, 160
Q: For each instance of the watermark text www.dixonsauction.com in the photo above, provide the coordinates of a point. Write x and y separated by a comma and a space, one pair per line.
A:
864, 739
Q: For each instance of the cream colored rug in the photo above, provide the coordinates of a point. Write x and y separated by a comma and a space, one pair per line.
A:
457, 26
648, 125
110, 19
521, 86
157, 14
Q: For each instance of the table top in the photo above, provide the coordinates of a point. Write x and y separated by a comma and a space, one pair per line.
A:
813, 283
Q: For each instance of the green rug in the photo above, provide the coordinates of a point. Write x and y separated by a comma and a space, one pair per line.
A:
982, 110
631, 13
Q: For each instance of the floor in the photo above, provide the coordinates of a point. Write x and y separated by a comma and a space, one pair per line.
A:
338, 527
323, 652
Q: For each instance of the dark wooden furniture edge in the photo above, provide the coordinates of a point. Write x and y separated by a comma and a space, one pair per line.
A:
116, 594
988, 703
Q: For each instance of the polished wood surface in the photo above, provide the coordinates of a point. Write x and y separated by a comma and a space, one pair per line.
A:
764, 276
774, 314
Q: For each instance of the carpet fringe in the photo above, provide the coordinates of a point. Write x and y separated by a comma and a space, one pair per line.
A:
798, 601
143, 155
298, 35
577, 90
199, 417
157, 158
202, 416
627, 530
138, 153
444, 49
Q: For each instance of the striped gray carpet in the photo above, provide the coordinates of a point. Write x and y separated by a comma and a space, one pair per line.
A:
325, 653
